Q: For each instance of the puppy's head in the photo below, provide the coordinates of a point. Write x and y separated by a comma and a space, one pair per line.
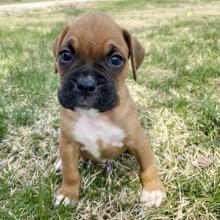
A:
92, 55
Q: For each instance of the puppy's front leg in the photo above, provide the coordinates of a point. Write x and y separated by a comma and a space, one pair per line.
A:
152, 188
69, 190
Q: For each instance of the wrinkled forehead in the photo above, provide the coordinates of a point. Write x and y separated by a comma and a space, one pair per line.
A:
92, 38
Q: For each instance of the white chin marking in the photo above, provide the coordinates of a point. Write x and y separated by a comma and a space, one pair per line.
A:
58, 166
91, 112
61, 199
153, 198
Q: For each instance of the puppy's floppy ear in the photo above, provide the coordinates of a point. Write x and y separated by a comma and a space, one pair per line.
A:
136, 52
57, 43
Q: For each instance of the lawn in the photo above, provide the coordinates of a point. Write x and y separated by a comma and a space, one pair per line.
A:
177, 94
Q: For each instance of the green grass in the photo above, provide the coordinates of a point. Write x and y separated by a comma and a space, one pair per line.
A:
177, 95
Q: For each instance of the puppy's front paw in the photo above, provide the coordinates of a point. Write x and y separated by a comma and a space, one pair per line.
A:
152, 198
61, 199
65, 196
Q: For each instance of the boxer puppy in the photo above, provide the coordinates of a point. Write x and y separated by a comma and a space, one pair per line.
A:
98, 116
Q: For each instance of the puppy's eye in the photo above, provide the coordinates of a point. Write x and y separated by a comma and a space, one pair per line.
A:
66, 56
115, 60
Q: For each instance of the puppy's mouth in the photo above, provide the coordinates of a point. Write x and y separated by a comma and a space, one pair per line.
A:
85, 103
84, 106
88, 95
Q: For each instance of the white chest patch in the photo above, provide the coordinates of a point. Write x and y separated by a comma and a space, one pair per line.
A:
91, 127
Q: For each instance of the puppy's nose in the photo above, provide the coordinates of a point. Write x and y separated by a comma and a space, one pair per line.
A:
86, 84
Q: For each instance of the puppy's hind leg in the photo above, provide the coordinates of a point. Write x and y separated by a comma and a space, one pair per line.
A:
107, 166
58, 165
